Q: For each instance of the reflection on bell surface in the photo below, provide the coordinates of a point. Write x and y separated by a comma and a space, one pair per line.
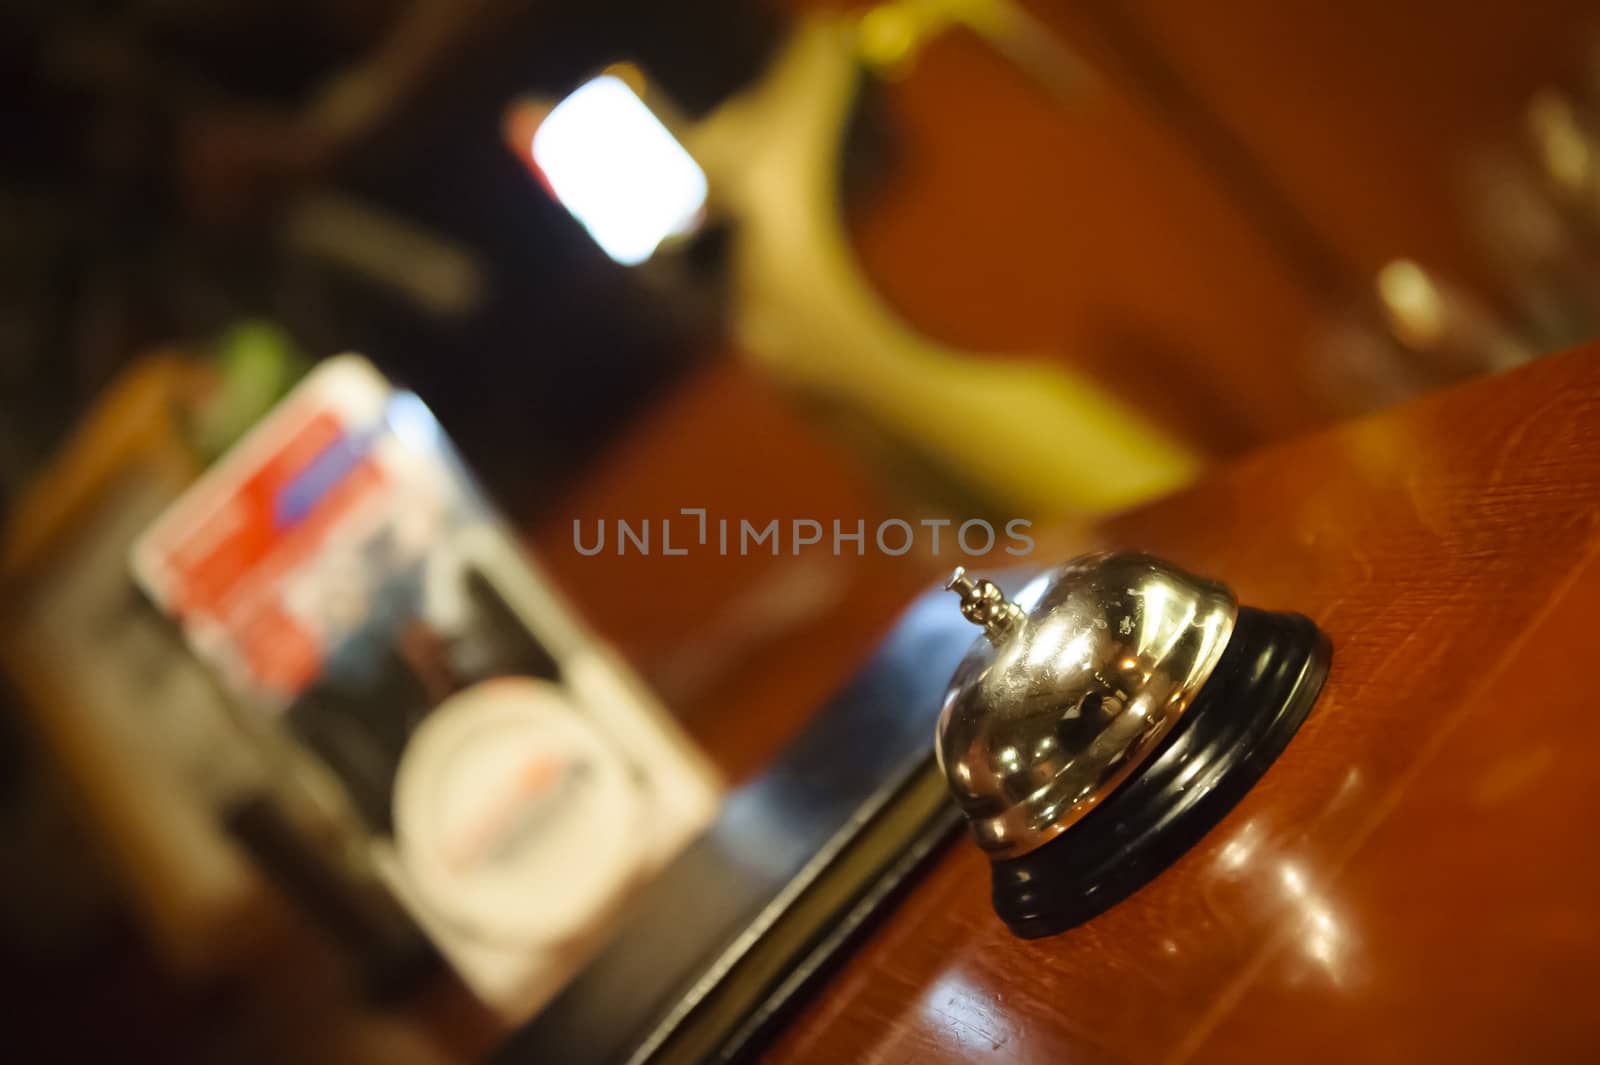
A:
1056, 707
1106, 718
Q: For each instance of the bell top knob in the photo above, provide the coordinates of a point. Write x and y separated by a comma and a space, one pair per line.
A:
983, 603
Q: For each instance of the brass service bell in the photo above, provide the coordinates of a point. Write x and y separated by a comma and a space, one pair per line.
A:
1106, 718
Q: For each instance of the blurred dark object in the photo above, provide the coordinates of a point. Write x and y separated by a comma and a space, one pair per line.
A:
164, 151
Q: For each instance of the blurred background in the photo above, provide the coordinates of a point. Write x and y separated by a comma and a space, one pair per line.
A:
952, 257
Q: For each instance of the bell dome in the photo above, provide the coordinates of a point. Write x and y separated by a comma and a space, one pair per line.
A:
1069, 688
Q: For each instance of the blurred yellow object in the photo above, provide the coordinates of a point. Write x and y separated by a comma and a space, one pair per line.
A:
1028, 437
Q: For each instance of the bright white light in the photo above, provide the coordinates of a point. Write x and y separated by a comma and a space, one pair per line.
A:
617, 169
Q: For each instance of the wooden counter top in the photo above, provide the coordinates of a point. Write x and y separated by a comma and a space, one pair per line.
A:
1418, 876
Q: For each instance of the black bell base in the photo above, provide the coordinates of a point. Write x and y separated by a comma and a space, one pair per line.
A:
1240, 721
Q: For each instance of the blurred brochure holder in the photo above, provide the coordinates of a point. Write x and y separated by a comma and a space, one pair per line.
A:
381, 696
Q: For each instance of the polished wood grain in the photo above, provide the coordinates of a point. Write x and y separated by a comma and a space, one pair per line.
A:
1416, 877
